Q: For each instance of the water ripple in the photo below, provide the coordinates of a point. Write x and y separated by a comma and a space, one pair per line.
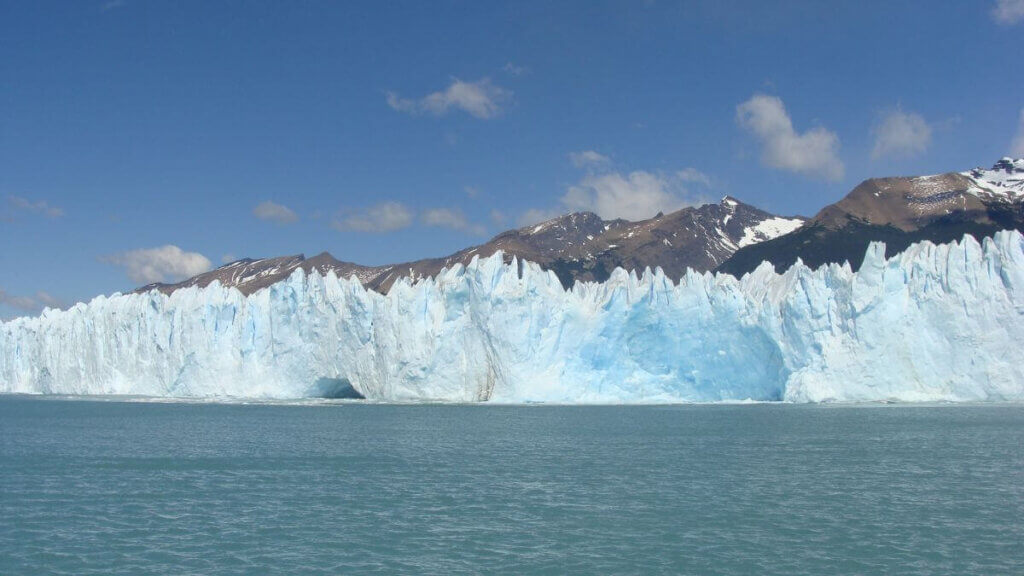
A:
129, 488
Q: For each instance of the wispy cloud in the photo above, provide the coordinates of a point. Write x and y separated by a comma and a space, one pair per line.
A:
901, 134
1008, 12
498, 218
383, 217
1017, 145
391, 216
32, 304
452, 218
162, 264
513, 69
535, 215
815, 152
40, 207
277, 213
588, 159
694, 176
112, 5
480, 99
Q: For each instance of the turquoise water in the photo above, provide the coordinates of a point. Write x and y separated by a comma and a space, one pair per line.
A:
91, 487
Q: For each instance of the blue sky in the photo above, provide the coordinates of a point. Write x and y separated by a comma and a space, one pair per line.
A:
142, 139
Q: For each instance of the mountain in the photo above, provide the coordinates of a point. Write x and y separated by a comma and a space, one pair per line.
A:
578, 246
250, 275
898, 211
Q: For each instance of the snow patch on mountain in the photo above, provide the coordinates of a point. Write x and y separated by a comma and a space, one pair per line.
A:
1004, 181
768, 229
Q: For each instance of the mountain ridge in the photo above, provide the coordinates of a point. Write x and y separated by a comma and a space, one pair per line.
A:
898, 211
729, 236
576, 246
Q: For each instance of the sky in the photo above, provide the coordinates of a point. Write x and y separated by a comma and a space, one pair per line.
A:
145, 140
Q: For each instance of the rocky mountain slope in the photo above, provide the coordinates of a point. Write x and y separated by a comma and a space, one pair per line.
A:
899, 212
578, 246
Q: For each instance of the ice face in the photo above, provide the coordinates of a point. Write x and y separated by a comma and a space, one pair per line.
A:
932, 323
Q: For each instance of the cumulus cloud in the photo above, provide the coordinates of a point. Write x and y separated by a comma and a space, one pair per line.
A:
40, 207
900, 133
383, 217
277, 213
450, 218
162, 264
480, 99
1008, 11
635, 196
814, 152
588, 159
1017, 146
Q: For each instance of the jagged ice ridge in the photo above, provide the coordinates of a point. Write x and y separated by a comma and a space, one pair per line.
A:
934, 323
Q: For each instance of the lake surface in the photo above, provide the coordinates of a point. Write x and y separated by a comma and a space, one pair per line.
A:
100, 487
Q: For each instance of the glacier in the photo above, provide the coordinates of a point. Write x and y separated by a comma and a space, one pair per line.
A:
933, 323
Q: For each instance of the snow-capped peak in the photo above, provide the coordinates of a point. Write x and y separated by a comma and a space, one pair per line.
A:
1004, 181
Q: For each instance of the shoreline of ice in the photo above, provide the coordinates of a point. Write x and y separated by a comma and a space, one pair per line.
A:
335, 402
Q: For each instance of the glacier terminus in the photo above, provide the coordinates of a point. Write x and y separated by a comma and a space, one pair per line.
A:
933, 323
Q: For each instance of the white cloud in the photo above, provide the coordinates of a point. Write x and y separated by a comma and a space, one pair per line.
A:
814, 153
694, 176
1008, 11
383, 217
1017, 146
636, 196
479, 99
35, 207
163, 264
277, 213
450, 218
228, 258
588, 159
471, 191
901, 133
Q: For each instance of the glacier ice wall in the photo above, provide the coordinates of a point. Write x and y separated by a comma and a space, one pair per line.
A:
932, 323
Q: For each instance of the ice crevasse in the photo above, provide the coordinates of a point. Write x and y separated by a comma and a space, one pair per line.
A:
933, 323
